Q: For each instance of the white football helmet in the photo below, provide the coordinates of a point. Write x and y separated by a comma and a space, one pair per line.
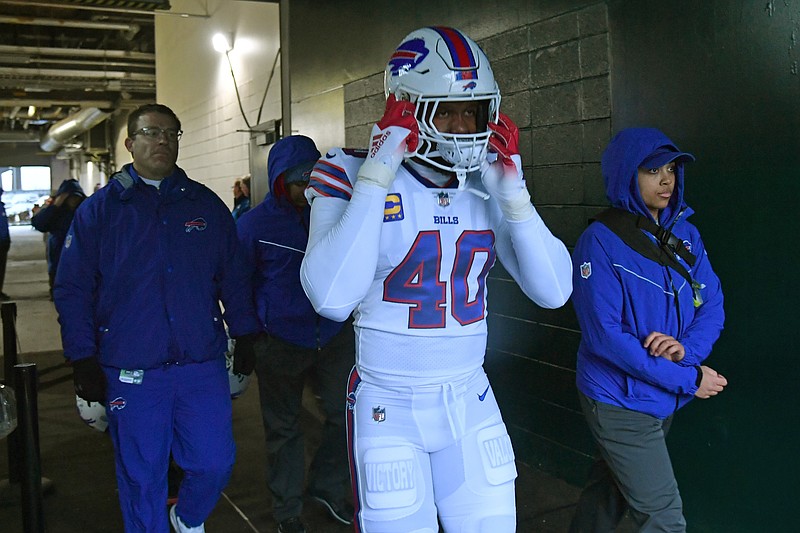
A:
238, 382
438, 64
92, 413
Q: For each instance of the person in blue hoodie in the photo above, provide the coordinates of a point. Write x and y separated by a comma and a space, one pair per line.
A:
273, 236
55, 220
144, 267
646, 329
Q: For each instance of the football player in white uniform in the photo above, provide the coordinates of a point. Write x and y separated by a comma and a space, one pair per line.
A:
404, 235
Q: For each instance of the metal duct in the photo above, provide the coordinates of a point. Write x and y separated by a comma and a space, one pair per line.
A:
73, 125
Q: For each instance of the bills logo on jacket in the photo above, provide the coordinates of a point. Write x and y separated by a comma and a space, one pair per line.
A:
199, 224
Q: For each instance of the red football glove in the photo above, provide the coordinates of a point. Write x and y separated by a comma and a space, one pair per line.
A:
504, 140
503, 178
401, 113
394, 137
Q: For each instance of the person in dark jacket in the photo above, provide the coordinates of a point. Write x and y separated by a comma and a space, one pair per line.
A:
273, 236
144, 267
5, 246
646, 331
241, 197
55, 219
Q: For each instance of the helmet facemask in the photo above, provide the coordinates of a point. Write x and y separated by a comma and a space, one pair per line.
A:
454, 152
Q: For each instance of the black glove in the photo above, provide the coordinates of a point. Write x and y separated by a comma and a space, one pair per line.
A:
244, 352
89, 379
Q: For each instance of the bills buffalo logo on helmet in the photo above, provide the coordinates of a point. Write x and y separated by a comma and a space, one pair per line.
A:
469, 86
199, 224
407, 56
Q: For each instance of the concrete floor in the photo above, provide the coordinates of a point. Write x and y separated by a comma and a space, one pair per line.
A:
78, 461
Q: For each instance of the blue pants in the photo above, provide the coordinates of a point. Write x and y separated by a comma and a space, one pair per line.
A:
183, 409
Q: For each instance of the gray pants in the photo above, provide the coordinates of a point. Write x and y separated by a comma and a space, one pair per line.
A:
632, 472
281, 379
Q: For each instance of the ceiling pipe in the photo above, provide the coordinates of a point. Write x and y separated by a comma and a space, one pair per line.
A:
60, 23
126, 10
6, 49
14, 72
64, 130
104, 63
50, 102
19, 137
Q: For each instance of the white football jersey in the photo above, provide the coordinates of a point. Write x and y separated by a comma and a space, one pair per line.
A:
424, 314
411, 263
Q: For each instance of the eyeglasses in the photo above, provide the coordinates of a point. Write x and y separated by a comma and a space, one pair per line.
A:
154, 133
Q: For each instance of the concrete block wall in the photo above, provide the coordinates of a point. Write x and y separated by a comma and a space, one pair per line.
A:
554, 77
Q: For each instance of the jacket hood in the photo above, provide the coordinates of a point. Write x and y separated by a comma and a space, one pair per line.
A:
288, 153
71, 186
620, 164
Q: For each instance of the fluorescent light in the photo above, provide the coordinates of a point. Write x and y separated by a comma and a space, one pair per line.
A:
221, 43
31, 110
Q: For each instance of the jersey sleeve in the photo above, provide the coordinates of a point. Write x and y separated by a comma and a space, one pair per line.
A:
344, 235
537, 260
330, 178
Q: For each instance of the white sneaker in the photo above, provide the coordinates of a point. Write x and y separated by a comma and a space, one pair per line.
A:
180, 527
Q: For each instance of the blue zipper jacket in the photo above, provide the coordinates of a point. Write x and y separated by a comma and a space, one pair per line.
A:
620, 297
143, 271
273, 237
56, 220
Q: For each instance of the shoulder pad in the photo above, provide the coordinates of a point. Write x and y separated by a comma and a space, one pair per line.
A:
335, 173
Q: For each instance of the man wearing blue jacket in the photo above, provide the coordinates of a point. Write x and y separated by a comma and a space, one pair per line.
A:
144, 267
273, 236
646, 329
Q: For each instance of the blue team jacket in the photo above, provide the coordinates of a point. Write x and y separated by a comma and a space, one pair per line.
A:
273, 237
143, 271
620, 296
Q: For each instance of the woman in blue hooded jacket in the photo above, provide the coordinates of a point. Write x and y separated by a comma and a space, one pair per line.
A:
646, 329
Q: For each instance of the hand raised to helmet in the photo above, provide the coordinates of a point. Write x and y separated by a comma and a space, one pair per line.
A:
503, 178
393, 138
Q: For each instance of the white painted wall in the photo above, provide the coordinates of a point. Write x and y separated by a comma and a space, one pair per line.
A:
195, 81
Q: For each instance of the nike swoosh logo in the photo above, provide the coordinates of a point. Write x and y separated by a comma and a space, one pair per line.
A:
482, 397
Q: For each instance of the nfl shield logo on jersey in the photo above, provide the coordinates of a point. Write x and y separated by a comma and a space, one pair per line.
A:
379, 414
444, 199
586, 270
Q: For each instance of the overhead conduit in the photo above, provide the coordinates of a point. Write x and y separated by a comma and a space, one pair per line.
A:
70, 127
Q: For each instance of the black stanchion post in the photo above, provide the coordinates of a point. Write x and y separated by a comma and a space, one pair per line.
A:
25, 379
8, 313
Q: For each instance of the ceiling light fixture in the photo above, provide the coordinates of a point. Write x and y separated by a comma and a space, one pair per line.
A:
222, 43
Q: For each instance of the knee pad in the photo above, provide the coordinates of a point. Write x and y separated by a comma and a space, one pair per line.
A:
395, 489
391, 478
485, 502
496, 455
